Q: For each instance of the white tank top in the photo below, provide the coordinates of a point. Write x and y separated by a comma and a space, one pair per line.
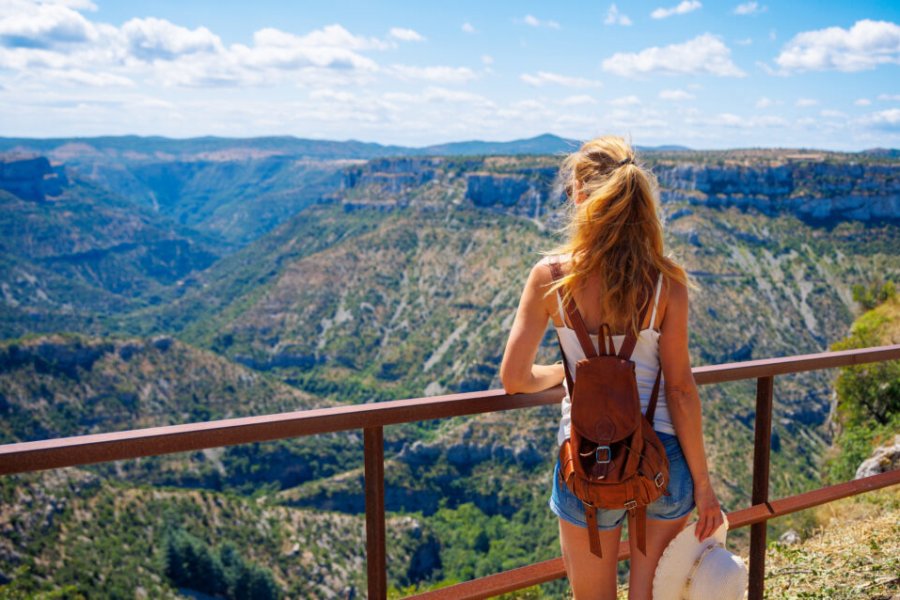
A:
646, 363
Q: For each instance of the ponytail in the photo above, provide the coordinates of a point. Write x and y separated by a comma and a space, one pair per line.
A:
613, 229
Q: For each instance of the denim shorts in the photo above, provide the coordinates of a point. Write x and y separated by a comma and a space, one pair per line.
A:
681, 487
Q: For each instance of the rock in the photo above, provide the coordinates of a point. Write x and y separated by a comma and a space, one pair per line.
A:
790, 537
463, 455
54, 355
30, 178
491, 189
883, 459
419, 453
815, 191
129, 349
162, 343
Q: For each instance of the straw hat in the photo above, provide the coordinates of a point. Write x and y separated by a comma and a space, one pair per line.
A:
692, 570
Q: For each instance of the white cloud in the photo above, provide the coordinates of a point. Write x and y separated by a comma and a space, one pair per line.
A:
625, 101
889, 97
39, 43
806, 102
73, 4
733, 121
862, 102
468, 28
157, 39
336, 35
682, 8
535, 22
29, 25
744, 42
749, 8
406, 35
81, 78
864, 46
487, 59
832, 114
764, 102
885, 119
331, 47
578, 100
440, 74
543, 78
528, 105
705, 54
437, 94
675, 95
614, 17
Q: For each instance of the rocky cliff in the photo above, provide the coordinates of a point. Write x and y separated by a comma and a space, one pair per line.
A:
811, 190
30, 178
815, 188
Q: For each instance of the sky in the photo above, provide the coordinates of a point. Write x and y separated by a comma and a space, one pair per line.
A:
704, 74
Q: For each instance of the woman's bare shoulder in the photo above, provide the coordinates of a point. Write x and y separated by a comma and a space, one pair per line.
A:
674, 303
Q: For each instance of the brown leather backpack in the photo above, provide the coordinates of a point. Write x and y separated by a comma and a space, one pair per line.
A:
613, 457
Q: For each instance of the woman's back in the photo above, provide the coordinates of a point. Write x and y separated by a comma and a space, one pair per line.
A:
645, 355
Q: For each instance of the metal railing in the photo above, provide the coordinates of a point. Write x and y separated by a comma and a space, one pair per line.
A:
372, 418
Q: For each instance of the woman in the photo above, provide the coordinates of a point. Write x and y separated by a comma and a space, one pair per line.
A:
614, 247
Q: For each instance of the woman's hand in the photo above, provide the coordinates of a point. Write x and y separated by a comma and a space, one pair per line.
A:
708, 510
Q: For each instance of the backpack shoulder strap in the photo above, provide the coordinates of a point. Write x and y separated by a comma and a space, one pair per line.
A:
574, 316
630, 340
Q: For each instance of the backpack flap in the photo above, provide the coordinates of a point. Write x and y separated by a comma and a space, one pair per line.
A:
603, 402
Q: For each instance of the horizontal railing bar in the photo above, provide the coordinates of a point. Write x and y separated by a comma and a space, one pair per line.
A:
768, 367
507, 581
549, 570
104, 447
121, 445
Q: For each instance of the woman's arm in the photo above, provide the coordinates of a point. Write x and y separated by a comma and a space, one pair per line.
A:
684, 406
518, 372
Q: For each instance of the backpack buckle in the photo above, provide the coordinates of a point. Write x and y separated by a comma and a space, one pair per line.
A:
608, 455
630, 505
659, 480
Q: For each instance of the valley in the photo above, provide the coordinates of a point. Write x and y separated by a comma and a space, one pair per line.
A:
157, 282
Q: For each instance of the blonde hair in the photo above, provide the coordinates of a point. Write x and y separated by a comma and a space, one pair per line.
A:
614, 232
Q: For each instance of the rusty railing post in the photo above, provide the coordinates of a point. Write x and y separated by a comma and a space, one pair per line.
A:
762, 445
376, 564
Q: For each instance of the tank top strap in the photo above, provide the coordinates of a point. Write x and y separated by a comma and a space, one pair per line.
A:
559, 307
656, 301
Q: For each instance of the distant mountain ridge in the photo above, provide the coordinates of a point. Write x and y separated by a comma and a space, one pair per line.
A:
156, 147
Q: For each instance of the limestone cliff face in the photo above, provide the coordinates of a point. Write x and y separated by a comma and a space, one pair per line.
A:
813, 190
30, 178
809, 190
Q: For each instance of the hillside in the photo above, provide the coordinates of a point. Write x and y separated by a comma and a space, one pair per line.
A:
853, 554
399, 278
64, 385
868, 396
412, 288
69, 530
72, 252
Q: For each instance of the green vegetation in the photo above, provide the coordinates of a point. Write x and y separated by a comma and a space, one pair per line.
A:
223, 572
852, 554
399, 286
868, 395
876, 293
70, 532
